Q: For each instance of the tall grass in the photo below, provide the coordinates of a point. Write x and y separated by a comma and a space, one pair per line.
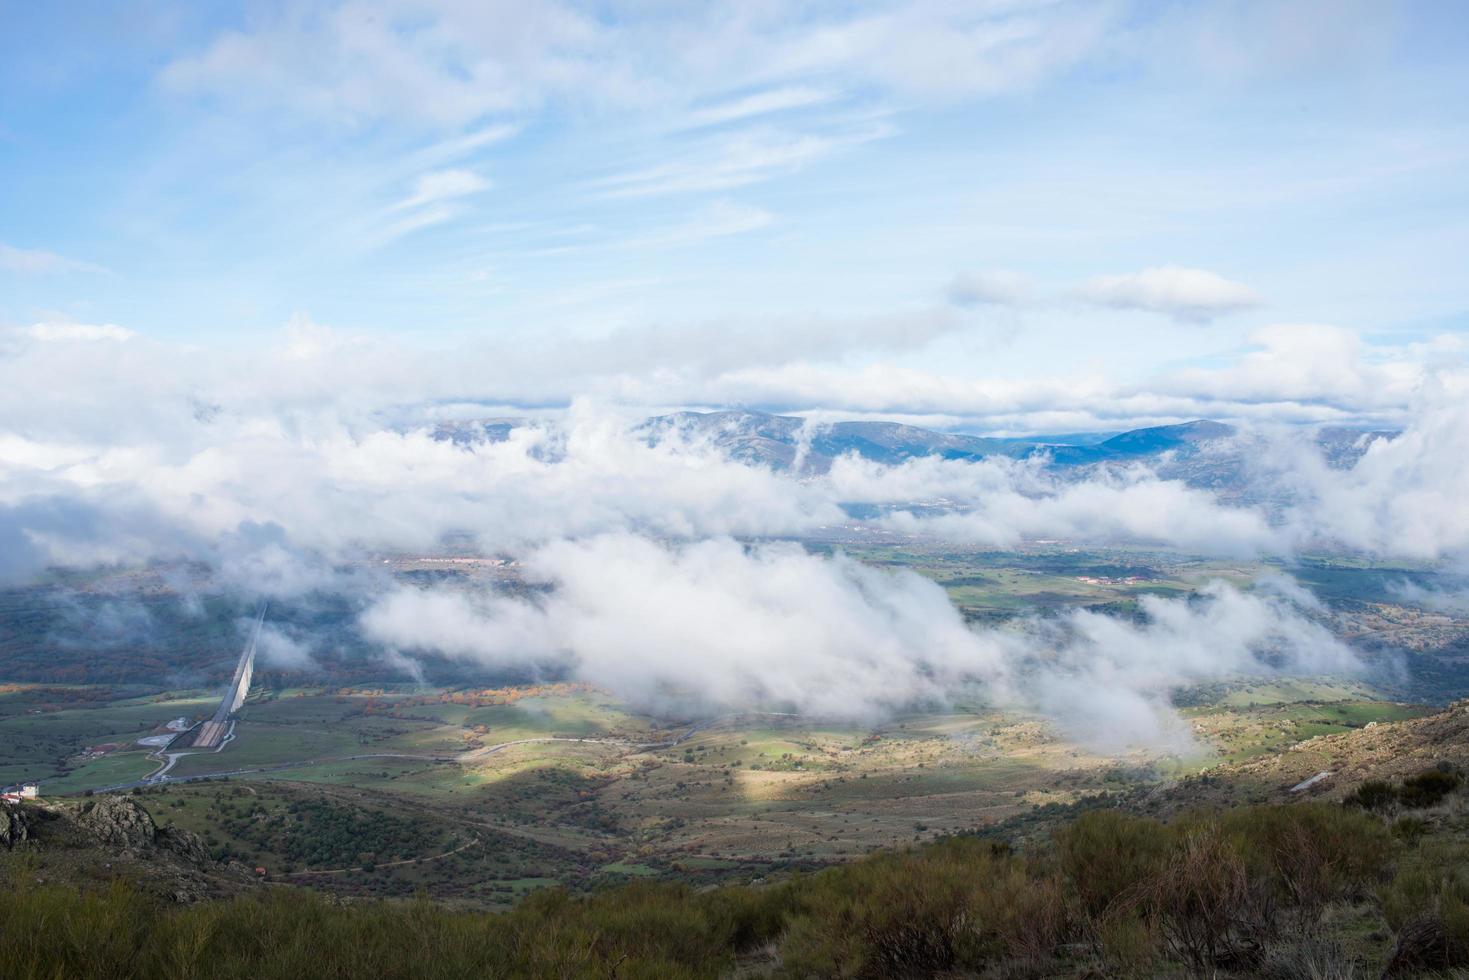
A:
1114, 895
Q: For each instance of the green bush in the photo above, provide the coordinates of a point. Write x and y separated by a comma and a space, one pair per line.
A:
1374, 794
911, 913
1424, 789
1410, 830
1428, 788
1204, 899
1128, 943
1309, 854
1109, 858
1122, 892
1427, 905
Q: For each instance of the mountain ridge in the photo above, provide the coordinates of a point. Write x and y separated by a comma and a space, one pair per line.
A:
786, 442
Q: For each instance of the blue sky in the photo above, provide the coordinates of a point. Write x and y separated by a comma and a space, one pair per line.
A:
820, 192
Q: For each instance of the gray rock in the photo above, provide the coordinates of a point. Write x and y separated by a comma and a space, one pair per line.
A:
185, 843
13, 826
120, 822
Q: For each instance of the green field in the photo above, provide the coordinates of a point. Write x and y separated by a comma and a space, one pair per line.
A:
588, 800
44, 734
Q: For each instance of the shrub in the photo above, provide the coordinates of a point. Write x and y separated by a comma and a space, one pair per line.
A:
1427, 904
1310, 854
1208, 889
1109, 857
1129, 944
1306, 957
960, 904
1428, 788
1203, 897
1410, 830
1374, 794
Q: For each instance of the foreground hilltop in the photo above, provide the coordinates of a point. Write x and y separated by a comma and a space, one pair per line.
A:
108, 838
1301, 887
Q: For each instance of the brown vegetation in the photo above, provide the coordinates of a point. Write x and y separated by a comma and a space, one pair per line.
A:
1247, 892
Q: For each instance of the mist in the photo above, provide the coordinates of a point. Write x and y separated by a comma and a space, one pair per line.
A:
719, 626
660, 564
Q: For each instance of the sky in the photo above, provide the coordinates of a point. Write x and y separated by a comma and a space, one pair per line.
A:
1001, 215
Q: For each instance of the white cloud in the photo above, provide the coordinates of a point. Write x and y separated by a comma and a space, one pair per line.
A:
444, 65
990, 288
1000, 503
730, 345
436, 197
278, 648
758, 104
951, 51
712, 623
1404, 497
718, 625
316, 437
62, 332
279, 467
732, 160
451, 64
1109, 681
443, 185
37, 262
1185, 294
1319, 363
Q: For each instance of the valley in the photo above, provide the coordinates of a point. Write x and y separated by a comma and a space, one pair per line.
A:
480, 794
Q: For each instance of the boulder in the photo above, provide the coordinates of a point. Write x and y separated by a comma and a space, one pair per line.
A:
120, 822
185, 843
13, 826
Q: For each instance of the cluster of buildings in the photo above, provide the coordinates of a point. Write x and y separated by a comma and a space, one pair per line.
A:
20, 791
97, 751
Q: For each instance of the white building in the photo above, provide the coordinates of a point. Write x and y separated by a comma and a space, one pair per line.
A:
21, 791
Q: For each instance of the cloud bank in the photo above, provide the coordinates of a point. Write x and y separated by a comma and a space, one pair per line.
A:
716, 625
285, 469
327, 441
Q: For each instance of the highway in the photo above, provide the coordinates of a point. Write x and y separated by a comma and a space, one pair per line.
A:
213, 732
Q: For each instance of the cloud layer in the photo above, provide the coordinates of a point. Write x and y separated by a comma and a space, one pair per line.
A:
715, 625
284, 468
328, 438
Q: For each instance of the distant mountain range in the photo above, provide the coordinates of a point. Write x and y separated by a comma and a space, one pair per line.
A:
779, 440
1200, 450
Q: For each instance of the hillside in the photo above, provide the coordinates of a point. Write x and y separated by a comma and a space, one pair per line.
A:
1289, 891
1294, 887
97, 841
1377, 751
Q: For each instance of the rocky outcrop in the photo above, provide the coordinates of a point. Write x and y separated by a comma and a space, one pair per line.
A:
99, 840
13, 826
118, 822
123, 823
185, 843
